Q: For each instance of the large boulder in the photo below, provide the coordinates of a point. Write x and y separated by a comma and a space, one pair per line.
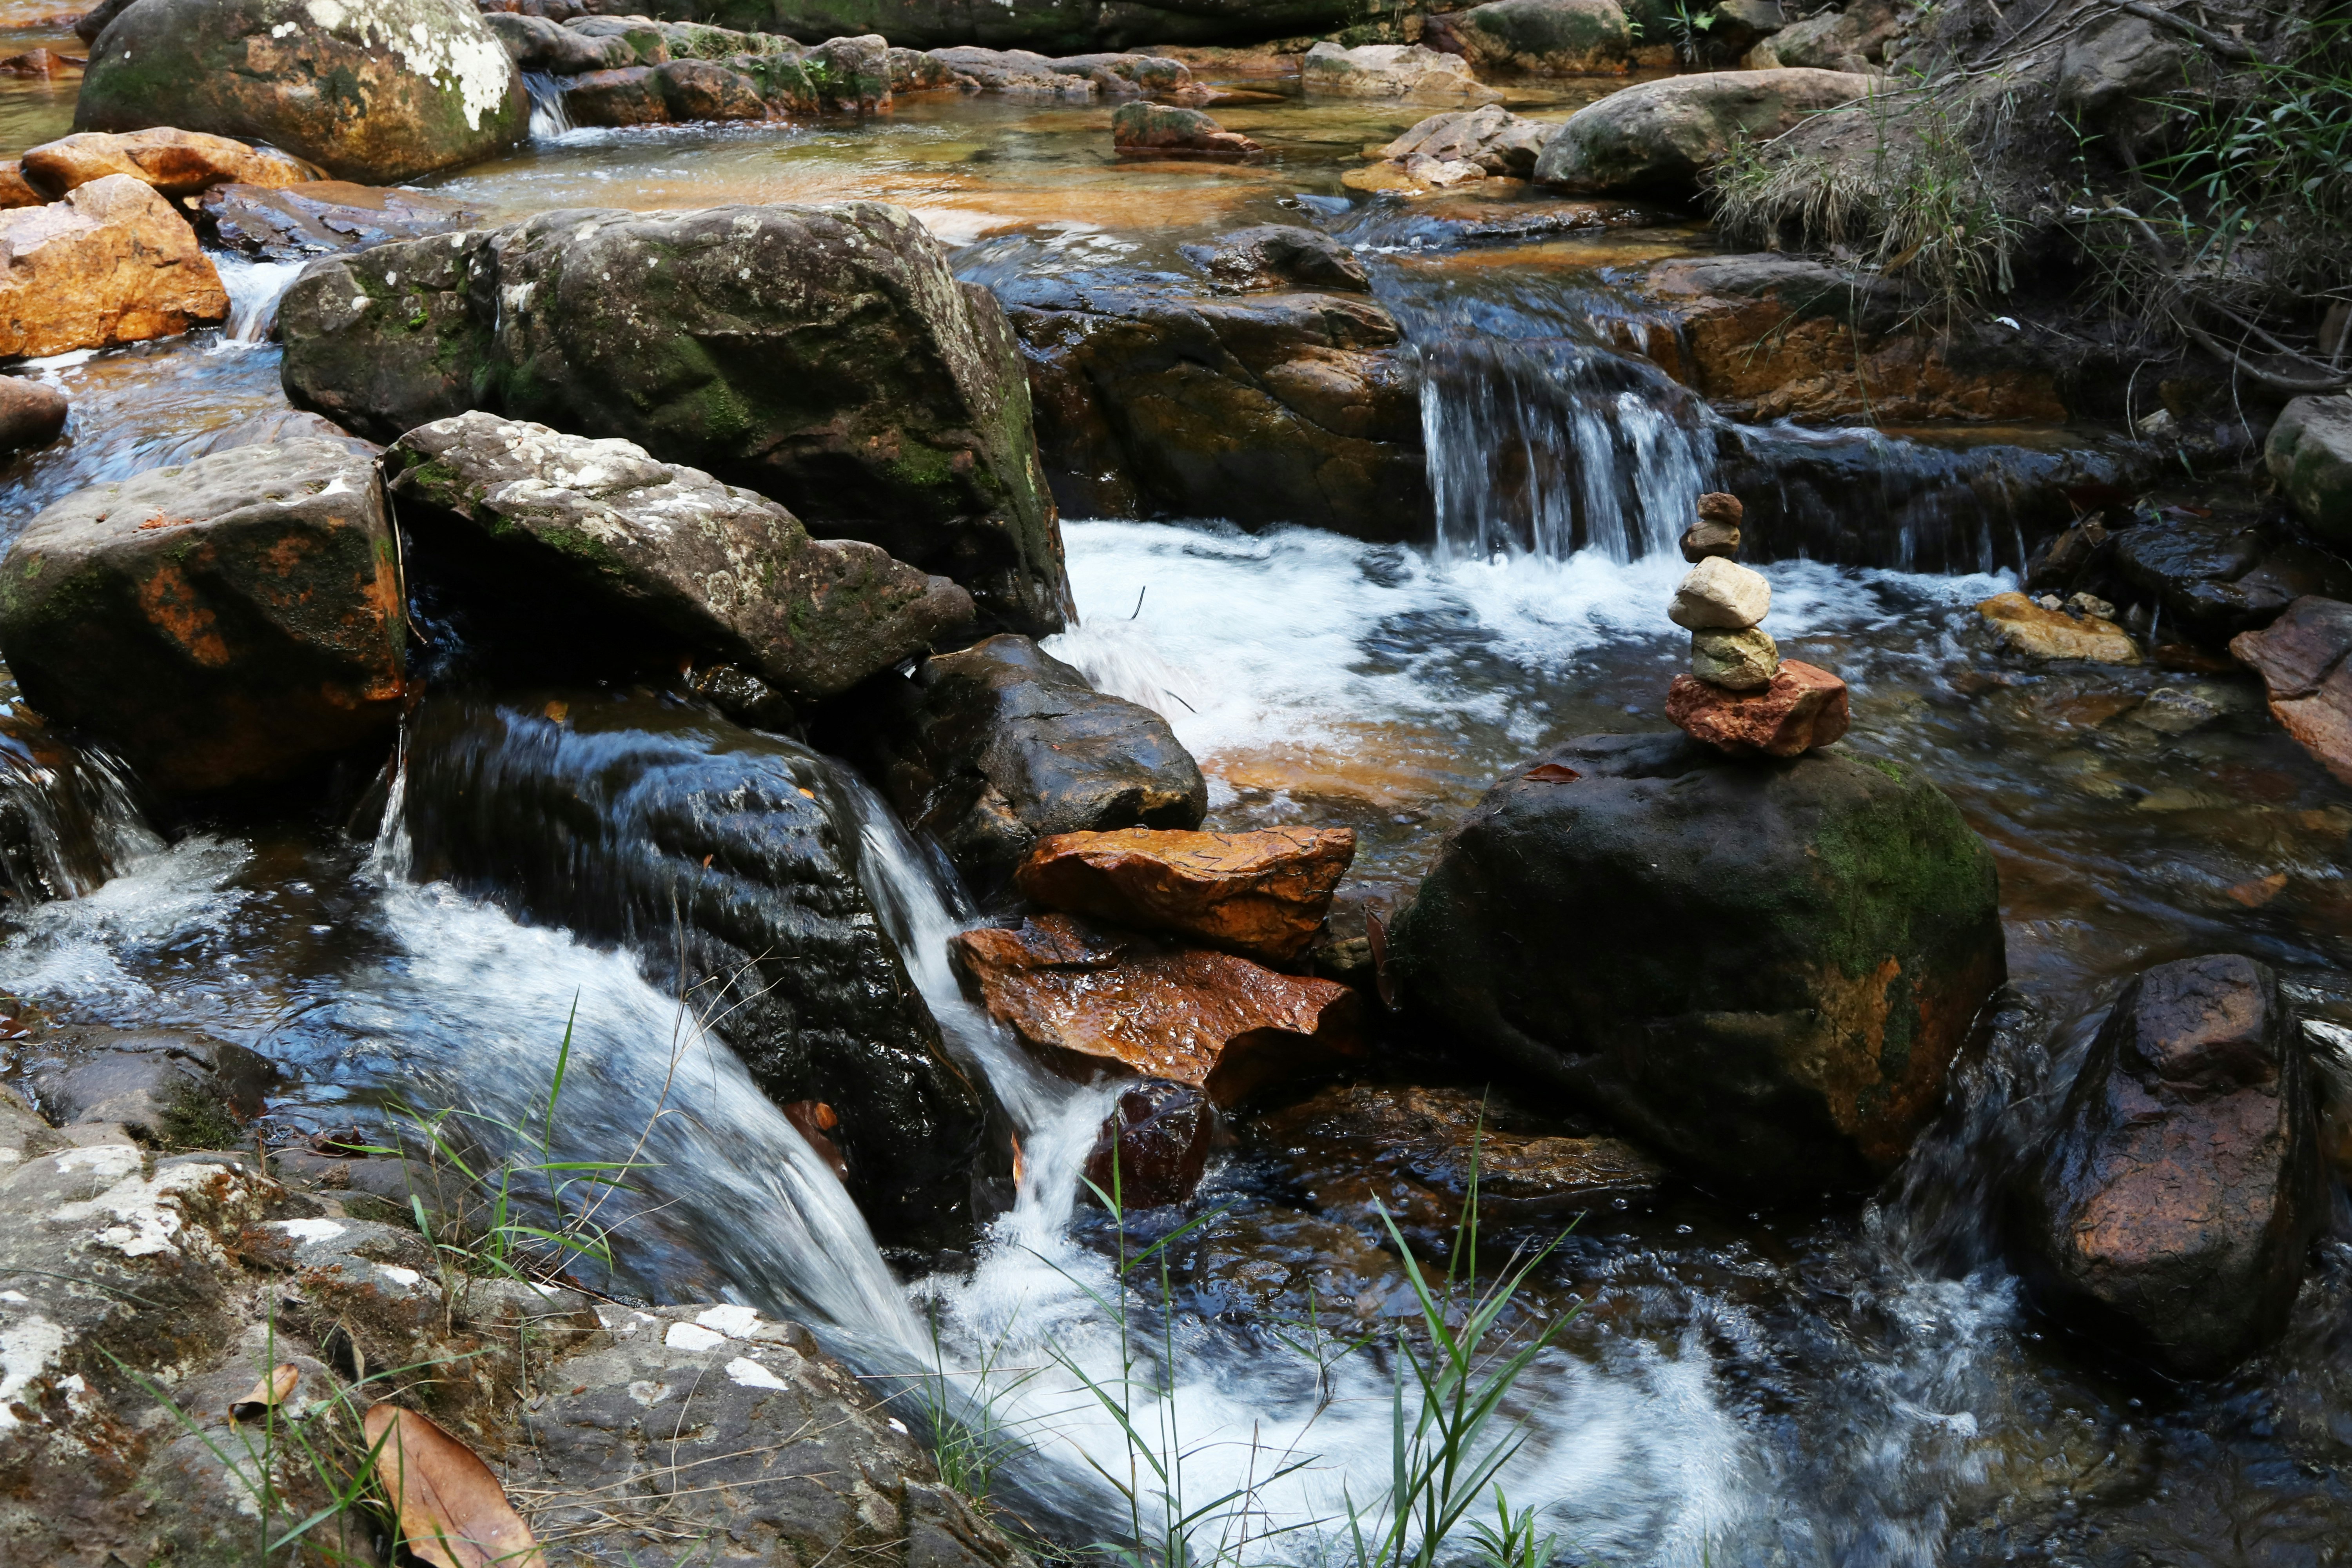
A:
112, 263
540, 44
995, 746
2310, 455
2305, 659
295, 223
1761, 969
232, 620
730, 861
1854, 39
598, 532
1266, 408
1058, 26
176, 162
1661, 135
1538, 37
1389, 70
823, 356
376, 90
2182, 1186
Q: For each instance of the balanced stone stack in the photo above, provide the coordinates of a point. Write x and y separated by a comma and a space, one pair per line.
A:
1741, 696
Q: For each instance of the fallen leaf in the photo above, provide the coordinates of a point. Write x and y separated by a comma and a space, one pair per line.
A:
2255, 895
451, 1510
559, 711
269, 1393
1553, 772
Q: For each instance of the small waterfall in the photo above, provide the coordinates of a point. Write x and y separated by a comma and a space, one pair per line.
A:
255, 288
67, 819
549, 118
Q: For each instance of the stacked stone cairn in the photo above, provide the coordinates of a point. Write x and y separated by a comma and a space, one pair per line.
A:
1741, 696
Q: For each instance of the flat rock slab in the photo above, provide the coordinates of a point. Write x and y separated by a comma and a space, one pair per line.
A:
1085, 998
2304, 658
2040, 632
1800, 708
725, 570
293, 223
112, 263
176, 162
1259, 894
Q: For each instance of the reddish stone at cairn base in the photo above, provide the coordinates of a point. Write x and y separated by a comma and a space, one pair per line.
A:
1803, 706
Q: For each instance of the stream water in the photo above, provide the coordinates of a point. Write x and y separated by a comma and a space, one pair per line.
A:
1847, 1384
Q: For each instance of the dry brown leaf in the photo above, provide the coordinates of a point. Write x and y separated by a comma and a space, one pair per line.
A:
269, 1393
452, 1511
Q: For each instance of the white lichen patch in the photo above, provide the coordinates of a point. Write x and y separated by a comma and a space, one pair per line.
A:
138, 1216
735, 1322
28, 1348
749, 1374
309, 1229
692, 1337
435, 40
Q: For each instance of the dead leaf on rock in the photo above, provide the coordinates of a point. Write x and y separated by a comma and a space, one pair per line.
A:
269, 1394
452, 1511
1553, 772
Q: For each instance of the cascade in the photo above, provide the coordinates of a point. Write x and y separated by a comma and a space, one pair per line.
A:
549, 118
66, 818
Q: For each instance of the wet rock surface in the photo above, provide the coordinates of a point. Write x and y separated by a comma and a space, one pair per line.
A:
598, 526
1162, 131
992, 747
1800, 707
1492, 139
1760, 969
295, 223
1661, 135
2309, 453
176, 163
821, 355
1279, 256
172, 1088
1152, 1147
1261, 894
2182, 1191
2305, 659
233, 620
111, 263
2039, 631
729, 861
31, 414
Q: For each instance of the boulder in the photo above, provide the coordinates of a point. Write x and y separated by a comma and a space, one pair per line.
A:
111, 263
1259, 894
1152, 1147
1142, 129
1662, 135
176, 162
1498, 142
704, 90
537, 44
992, 748
1759, 969
1537, 37
233, 620
600, 532
1279, 256
912, 70
2216, 577
1017, 73
1800, 707
1389, 70
2305, 659
167, 1088
295, 223
1086, 998
376, 90
1265, 409
2027, 626
32, 413
631, 95
1852, 40
2182, 1187
2310, 455
823, 356
14, 191
92, 22
729, 861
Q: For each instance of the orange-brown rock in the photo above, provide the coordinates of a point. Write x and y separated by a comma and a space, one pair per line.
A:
14, 191
1261, 894
2305, 659
1152, 1148
1086, 998
1803, 706
112, 263
176, 162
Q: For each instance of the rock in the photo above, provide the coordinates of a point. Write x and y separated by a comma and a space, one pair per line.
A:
823, 356
2310, 455
600, 528
1017, 73
1123, 74
729, 861
1854, 40
537, 44
1152, 1147
854, 71
32, 413
176, 162
1798, 709
2027, 627
374, 90
2215, 577
2306, 661
296, 223
42, 64
269, 429
1264, 409
1537, 37
2066, 556
2183, 1186
1720, 596
170, 1089
1142, 129
1279, 256
631, 95
1761, 971
912, 70
704, 90
1498, 142
1710, 537
233, 620
112, 263
1259, 894
1661, 135
990, 749
1737, 661
14, 191
93, 21
1389, 70
1085, 998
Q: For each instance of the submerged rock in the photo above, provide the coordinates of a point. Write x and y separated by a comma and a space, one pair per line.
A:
2182, 1187
2305, 659
2309, 453
729, 861
1760, 969
1152, 1147
599, 532
1279, 256
176, 162
1391, 71
1538, 37
1086, 998
1261, 894
1661, 135
823, 356
995, 746
229, 621
110, 264
295, 223
376, 90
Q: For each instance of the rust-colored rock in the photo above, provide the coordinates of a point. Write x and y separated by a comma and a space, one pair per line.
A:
176, 162
14, 190
2304, 658
1260, 894
1158, 1138
1802, 708
112, 263
1085, 998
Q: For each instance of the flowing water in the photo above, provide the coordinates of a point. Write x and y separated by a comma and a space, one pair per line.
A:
1834, 1385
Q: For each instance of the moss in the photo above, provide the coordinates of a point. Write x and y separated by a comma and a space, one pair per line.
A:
583, 547
197, 1121
1905, 873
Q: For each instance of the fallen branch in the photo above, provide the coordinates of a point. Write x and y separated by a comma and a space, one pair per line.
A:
2221, 43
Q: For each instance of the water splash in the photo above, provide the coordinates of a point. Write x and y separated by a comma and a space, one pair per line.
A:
255, 289
67, 821
549, 118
